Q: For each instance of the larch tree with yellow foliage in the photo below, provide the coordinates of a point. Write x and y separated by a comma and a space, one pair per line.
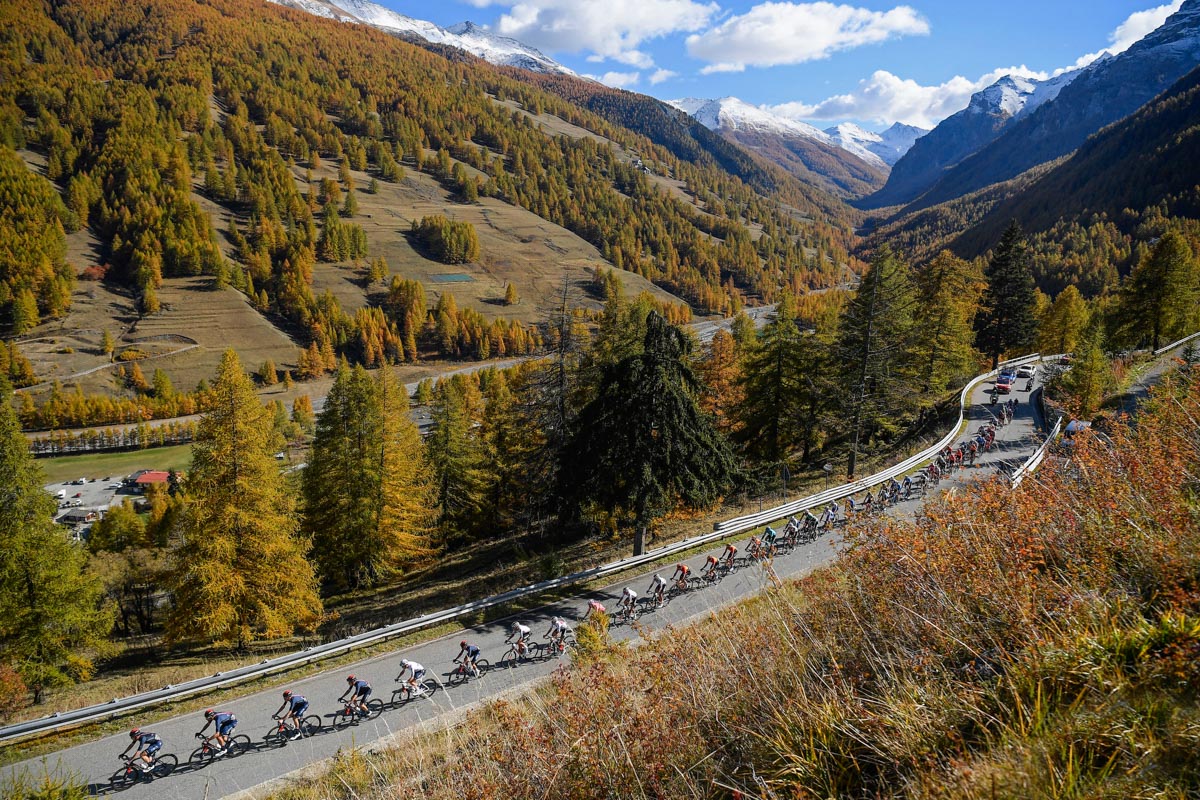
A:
240, 571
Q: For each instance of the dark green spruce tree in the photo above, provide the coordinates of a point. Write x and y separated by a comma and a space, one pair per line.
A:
643, 445
873, 350
1007, 318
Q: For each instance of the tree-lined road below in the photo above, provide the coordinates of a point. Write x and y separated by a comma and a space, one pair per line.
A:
96, 761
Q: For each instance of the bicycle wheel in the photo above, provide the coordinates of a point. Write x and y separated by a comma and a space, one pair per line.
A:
509, 659
237, 745
431, 687
121, 779
200, 757
457, 676
344, 718
164, 765
374, 708
277, 737
310, 725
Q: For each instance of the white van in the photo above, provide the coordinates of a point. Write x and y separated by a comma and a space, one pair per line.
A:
61, 494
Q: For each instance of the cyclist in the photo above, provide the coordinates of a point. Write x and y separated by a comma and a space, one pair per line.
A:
521, 631
147, 744
296, 705
628, 600
710, 566
730, 555
658, 589
357, 692
680, 577
810, 521
413, 682
830, 516
906, 486
769, 537
594, 607
223, 724
469, 654
754, 548
558, 633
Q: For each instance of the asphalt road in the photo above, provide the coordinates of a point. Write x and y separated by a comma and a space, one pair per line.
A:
95, 761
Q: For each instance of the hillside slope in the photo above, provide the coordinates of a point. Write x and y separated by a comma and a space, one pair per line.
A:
251, 143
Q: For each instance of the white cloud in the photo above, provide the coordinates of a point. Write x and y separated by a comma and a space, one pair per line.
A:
661, 75
885, 98
611, 29
1135, 26
617, 80
775, 33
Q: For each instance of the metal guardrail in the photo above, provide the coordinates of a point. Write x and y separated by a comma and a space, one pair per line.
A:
61, 720
1038, 456
1173, 345
754, 520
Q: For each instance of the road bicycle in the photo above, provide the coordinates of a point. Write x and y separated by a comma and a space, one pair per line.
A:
161, 766
407, 691
514, 654
626, 614
463, 673
350, 713
283, 733
208, 750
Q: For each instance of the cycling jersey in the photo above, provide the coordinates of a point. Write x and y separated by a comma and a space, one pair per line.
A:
522, 629
298, 704
658, 582
628, 594
361, 688
224, 723
594, 605
560, 625
472, 652
149, 743
770, 535
417, 670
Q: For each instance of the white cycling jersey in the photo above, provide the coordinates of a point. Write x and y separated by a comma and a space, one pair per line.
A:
524, 630
628, 594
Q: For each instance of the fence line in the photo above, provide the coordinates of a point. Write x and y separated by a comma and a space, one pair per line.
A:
61, 720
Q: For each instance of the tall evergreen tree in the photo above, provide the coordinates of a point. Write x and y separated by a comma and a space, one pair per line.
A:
1090, 375
1007, 318
1064, 322
456, 452
240, 571
1159, 299
782, 390
366, 487
52, 619
642, 444
873, 349
948, 292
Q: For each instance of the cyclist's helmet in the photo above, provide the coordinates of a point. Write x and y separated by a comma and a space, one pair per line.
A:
463, 643
133, 734
209, 714
287, 694
350, 679
404, 662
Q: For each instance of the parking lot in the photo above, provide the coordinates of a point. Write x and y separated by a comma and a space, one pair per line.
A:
95, 495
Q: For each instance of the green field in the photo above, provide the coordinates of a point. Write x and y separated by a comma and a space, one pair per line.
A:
101, 465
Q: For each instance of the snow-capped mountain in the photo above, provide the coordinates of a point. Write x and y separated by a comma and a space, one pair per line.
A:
467, 36
807, 152
732, 114
884, 148
988, 114
1107, 90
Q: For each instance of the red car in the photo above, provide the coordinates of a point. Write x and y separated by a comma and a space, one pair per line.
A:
1003, 385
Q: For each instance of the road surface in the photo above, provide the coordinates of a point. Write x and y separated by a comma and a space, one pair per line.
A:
95, 761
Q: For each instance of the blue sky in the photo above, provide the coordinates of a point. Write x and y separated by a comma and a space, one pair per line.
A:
823, 62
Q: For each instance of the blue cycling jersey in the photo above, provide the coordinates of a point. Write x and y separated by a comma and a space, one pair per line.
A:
224, 718
360, 686
146, 739
299, 701
472, 652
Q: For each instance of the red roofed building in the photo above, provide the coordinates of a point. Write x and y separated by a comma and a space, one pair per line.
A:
151, 476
